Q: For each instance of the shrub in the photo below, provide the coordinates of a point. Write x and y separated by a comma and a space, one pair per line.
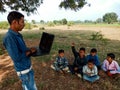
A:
50, 24
28, 26
4, 25
96, 36
41, 28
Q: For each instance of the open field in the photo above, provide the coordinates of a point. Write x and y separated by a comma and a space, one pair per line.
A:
48, 79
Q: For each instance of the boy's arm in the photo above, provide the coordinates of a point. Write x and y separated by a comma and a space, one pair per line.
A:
66, 61
97, 61
104, 65
84, 70
117, 66
95, 71
74, 51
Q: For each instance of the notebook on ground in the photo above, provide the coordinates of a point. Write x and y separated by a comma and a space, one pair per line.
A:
45, 44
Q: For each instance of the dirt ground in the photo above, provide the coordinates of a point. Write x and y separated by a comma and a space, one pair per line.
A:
109, 32
6, 65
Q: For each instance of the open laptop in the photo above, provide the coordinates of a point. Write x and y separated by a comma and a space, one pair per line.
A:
45, 44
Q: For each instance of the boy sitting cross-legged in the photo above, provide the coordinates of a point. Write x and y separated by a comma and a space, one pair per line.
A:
90, 72
110, 66
61, 63
79, 62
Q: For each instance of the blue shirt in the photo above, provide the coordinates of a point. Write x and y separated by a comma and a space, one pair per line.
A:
94, 58
16, 48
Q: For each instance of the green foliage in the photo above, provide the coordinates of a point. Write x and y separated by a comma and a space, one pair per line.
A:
33, 21
64, 21
110, 18
50, 23
96, 36
42, 21
73, 4
41, 28
4, 25
30, 6
28, 26
70, 23
57, 22
99, 20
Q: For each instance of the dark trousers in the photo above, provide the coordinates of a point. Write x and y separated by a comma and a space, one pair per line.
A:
79, 70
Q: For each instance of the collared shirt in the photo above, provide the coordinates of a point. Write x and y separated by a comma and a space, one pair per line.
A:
113, 67
92, 72
61, 61
16, 48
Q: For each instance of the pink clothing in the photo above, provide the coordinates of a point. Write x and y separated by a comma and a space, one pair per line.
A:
113, 67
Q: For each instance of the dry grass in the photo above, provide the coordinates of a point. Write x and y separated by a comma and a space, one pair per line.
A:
47, 79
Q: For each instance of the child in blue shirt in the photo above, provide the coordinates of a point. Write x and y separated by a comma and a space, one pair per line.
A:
93, 56
61, 63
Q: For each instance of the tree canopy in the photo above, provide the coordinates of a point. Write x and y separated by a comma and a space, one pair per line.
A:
110, 18
30, 6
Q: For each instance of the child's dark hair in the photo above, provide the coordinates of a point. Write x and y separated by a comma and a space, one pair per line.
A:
111, 55
14, 15
91, 61
60, 51
82, 48
93, 50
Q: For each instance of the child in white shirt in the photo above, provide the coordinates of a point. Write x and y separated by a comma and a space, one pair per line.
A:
90, 72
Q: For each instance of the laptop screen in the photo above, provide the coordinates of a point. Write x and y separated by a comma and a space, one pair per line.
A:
46, 42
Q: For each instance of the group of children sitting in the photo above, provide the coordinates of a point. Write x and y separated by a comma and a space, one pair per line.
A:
86, 67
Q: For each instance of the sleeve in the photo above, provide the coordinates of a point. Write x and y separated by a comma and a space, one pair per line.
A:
97, 61
74, 51
66, 61
84, 69
95, 70
13, 49
88, 57
117, 66
56, 64
56, 61
104, 67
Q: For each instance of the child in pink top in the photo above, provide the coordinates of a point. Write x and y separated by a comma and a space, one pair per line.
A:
110, 66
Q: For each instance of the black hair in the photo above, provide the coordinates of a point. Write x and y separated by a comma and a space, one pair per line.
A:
91, 61
14, 15
111, 55
82, 48
60, 51
93, 50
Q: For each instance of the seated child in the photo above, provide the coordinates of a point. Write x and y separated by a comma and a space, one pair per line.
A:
93, 56
61, 63
79, 62
90, 72
110, 66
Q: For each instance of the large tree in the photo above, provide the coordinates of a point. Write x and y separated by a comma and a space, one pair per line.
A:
110, 18
30, 6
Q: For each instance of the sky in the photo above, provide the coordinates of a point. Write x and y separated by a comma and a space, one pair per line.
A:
49, 11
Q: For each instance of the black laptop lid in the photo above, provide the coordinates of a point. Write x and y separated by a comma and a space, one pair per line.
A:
46, 42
